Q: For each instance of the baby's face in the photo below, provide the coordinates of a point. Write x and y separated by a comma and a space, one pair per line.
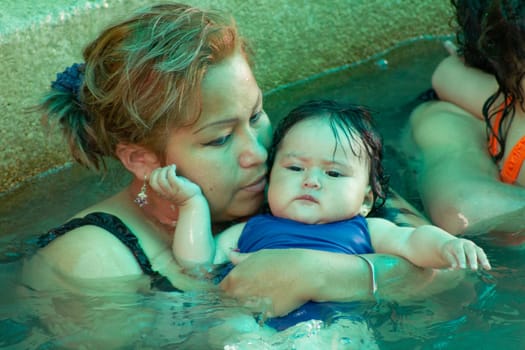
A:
311, 183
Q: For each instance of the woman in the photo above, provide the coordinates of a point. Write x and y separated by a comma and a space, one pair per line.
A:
173, 85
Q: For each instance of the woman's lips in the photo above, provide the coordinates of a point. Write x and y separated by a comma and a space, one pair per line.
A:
257, 186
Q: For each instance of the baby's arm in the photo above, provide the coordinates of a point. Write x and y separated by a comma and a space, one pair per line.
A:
193, 243
464, 86
226, 241
426, 246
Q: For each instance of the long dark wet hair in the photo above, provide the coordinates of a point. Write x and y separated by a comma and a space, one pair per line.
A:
350, 121
491, 37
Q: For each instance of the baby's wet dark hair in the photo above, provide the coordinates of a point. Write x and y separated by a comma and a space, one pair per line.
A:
353, 122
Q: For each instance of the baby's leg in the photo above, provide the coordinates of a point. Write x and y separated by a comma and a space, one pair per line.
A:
313, 335
350, 334
244, 332
234, 331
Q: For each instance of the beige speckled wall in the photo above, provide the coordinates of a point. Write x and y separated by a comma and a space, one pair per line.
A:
293, 39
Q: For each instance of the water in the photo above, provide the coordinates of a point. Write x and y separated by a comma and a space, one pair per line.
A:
485, 311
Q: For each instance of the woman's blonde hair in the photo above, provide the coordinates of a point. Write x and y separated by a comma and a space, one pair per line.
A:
141, 78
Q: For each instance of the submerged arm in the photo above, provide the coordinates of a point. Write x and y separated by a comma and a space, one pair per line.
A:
291, 277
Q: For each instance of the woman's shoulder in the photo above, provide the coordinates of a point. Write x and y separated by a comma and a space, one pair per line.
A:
86, 253
94, 243
90, 252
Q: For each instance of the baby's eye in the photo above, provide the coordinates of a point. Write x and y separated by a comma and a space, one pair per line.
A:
334, 173
294, 168
218, 141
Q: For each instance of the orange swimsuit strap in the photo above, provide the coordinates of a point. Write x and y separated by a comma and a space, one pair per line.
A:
512, 165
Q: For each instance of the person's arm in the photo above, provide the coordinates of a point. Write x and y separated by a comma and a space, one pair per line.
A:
463, 86
426, 246
226, 242
193, 243
291, 277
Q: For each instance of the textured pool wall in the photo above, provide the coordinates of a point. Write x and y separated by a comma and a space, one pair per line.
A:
292, 40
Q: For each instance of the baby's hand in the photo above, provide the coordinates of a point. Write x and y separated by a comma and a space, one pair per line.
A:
462, 253
168, 185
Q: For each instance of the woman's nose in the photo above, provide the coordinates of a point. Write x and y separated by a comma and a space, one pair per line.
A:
253, 151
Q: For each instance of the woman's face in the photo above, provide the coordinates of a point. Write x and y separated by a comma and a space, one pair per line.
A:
225, 151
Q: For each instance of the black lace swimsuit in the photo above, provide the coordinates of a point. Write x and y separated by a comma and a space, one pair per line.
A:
118, 229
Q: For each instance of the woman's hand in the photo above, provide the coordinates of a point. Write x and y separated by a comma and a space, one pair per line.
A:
280, 276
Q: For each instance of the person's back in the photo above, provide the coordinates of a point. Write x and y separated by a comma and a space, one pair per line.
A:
492, 39
472, 165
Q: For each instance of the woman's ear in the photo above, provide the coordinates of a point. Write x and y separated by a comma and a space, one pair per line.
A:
368, 202
137, 159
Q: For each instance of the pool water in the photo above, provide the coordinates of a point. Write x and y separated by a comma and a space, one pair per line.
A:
485, 311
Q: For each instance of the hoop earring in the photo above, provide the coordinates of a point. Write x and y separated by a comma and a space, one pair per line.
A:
142, 196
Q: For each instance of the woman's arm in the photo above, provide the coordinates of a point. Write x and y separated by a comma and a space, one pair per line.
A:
291, 277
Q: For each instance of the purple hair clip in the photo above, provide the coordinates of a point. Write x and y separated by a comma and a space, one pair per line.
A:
70, 80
